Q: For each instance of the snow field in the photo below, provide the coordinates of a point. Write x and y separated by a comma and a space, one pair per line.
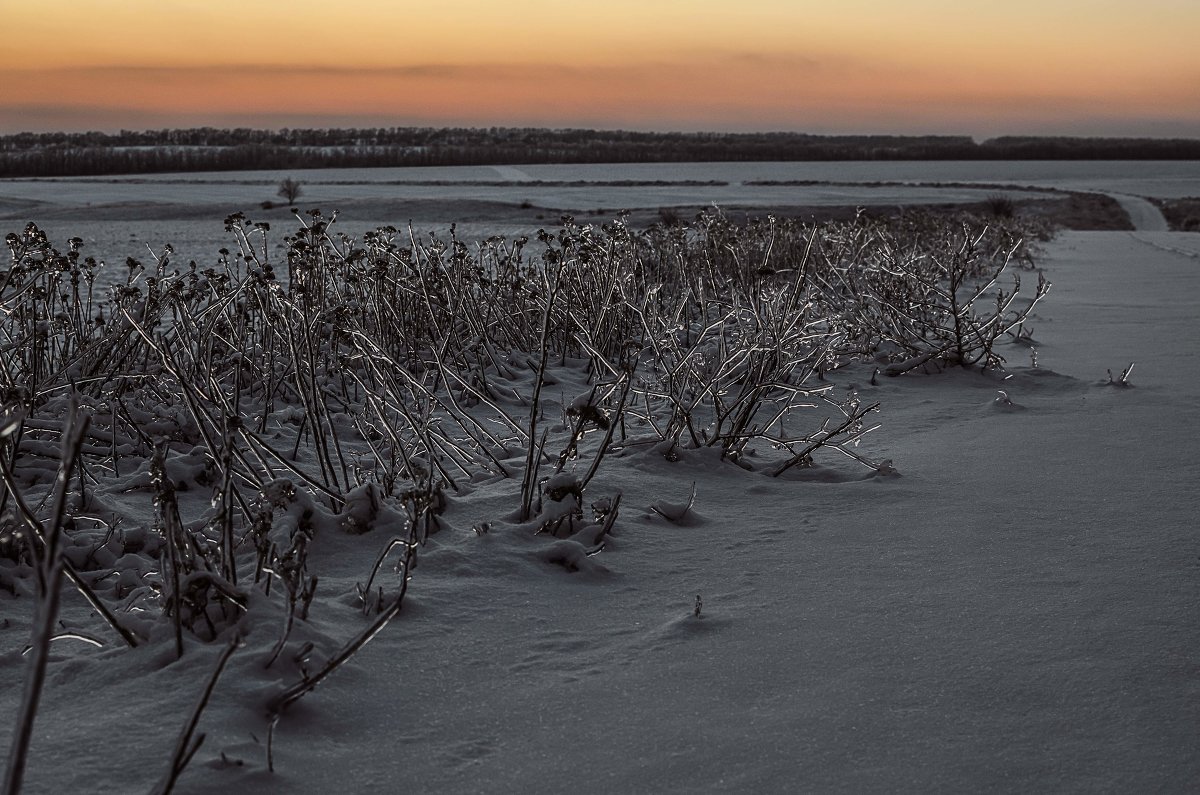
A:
1012, 610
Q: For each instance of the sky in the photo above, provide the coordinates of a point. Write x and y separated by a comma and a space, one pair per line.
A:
962, 67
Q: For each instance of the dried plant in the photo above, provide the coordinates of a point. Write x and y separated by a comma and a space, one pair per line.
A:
348, 380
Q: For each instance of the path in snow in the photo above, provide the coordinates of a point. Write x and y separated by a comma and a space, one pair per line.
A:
512, 173
1144, 215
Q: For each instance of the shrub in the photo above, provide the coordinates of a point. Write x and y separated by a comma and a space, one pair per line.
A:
1182, 214
1000, 206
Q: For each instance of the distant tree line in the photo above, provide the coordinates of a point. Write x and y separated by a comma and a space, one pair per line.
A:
213, 149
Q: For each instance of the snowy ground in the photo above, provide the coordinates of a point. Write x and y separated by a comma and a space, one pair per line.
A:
118, 217
1165, 178
1015, 611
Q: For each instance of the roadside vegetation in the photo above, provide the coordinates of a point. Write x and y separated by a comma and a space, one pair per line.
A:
1077, 211
1183, 215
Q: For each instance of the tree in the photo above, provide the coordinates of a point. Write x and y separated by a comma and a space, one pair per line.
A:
289, 189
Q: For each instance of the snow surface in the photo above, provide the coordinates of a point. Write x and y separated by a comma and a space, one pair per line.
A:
1163, 178
320, 188
1015, 611
117, 217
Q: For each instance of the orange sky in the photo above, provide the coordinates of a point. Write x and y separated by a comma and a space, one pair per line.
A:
1095, 67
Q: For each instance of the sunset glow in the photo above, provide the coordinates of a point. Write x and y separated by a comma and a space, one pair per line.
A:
925, 66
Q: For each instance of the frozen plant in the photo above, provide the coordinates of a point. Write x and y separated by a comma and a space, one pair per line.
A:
1123, 380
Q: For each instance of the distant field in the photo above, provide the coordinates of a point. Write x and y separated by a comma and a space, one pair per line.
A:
1163, 178
186, 210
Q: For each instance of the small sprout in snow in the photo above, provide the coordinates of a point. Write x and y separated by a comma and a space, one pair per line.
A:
1005, 403
1124, 379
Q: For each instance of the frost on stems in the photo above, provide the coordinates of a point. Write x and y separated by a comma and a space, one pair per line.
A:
45, 543
1123, 380
378, 372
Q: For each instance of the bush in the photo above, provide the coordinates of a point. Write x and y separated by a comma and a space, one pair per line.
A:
1183, 214
1000, 206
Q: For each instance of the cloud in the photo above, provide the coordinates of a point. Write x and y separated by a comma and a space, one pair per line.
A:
680, 64
718, 90
252, 71
776, 60
972, 121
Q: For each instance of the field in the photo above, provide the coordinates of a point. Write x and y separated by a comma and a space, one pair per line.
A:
862, 505
186, 210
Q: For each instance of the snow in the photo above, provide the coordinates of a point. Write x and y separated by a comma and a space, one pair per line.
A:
1014, 611
1163, 178
186, 209
120, 216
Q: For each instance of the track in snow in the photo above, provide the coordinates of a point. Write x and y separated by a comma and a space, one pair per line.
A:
1144, 215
